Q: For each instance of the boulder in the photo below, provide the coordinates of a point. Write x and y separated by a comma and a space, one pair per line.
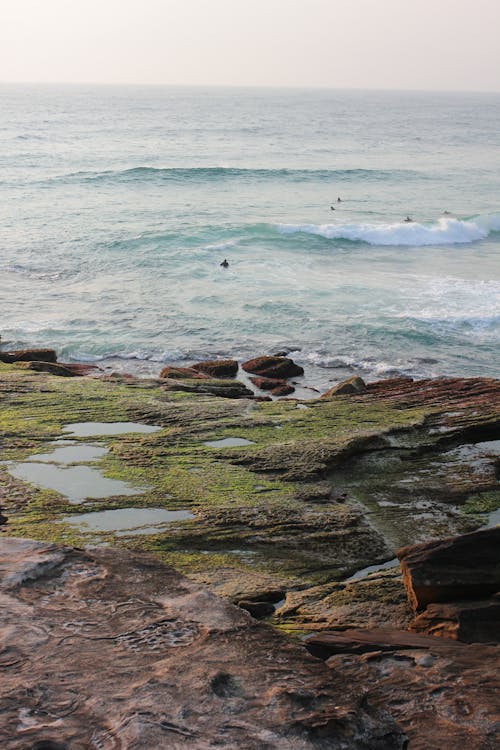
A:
352, 385
156, 661
273, 367
283, 390
258, 610
29, 355
453, 569
51, 367
218, 368
181, 373
267, 384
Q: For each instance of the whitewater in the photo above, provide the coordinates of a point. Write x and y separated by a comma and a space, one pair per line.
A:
118, 204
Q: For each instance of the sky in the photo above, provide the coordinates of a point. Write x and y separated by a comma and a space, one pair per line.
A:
380, 44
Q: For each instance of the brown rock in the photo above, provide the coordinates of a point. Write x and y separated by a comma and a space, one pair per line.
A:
218, 368
352, 385
176, 665
453, 569
472, 622
283, 390
267, 384
29, 355
273, 367
258, 610
182, 373
50, 367
81, 368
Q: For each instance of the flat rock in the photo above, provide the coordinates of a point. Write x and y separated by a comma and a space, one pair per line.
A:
101, 648
446, 570
473, 622
51, 367
218, 368
29, 355
181, 373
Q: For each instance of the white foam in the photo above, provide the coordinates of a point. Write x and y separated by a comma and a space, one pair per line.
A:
446, 231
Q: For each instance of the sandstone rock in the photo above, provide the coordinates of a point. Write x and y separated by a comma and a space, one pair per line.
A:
472, 622
29, 355
443, 693
218, 368
50, 367
352, 385
283, 390
222, 388
109, 649
181, 373
81, 368
453, 569
273, 367
267, 384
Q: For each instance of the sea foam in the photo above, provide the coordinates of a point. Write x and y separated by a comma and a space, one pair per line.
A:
446, 231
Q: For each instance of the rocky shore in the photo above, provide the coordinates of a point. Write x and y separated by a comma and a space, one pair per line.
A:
293, 510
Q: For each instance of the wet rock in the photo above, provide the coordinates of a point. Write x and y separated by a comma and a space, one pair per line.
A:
79, 368
3, 519
267, 384
221, 388
29, 355
283, 390
50, 367
176, 664
453, 569
472, 622
273, 367
219, 368
352, 385
181, 373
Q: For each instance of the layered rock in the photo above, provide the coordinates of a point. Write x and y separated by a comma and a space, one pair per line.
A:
102, 648
218, 368
29, 355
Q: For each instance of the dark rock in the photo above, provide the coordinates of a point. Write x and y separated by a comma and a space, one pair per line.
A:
283, 390
273, 367
219, 368
50, 367
352, 385
222, 388
29, 355
267, 384
181, 373
472, 622
453, 569
3, 519
257, 609
176, 664
79, 368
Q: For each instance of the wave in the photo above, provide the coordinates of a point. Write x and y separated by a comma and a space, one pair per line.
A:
445, 231
203, 174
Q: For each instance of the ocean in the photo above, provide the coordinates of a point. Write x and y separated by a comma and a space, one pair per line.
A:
118, 204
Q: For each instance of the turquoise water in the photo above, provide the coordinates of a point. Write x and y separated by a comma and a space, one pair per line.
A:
117, 205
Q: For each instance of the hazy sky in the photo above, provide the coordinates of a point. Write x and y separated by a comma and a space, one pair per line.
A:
407, 44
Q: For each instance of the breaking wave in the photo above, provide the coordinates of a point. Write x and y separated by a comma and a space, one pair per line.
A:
445, 231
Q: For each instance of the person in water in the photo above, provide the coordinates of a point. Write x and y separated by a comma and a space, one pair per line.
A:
332, 208
408, 220
225, 264
339, 200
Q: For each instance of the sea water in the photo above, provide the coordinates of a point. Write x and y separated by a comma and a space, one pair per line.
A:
118, 204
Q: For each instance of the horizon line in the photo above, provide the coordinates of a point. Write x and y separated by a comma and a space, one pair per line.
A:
309, 87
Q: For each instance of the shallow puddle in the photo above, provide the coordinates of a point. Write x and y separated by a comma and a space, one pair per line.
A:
77, 483
394, 563
73, 453
127, 521
230, 442
89, 429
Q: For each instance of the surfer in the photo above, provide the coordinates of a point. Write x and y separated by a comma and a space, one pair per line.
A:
332, 208
408, 220
225, 264
339, 200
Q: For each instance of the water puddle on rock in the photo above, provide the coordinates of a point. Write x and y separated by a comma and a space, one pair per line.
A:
65, 471
127, 521
230, 442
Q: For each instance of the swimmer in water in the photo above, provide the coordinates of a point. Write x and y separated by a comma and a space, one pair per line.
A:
225, 264
339, 200
408, 220
332, 208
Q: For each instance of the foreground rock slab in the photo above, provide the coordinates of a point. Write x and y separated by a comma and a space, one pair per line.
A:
104, 649
443, 693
